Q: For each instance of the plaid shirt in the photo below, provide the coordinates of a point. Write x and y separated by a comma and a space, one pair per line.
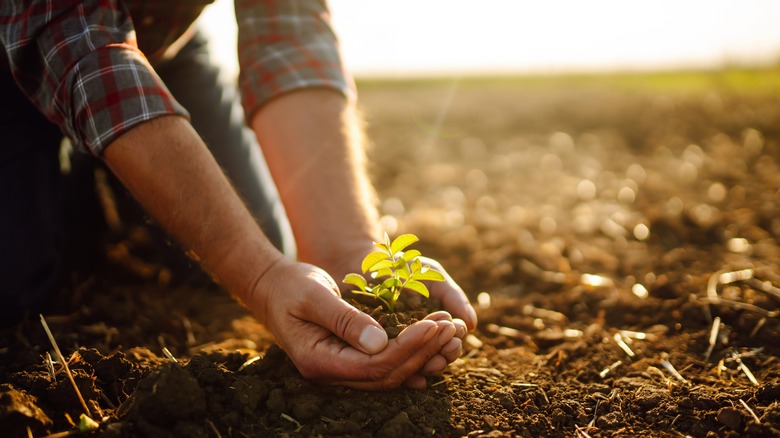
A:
87, 64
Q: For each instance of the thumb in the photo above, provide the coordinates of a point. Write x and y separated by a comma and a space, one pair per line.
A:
350, 324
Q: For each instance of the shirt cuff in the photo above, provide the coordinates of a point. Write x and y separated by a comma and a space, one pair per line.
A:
110, 91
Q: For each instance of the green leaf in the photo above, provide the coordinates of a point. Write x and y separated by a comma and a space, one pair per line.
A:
391, 283
386, 294
417, 287
417, 266
387, 241
87, 424
429, 274
371, 259
399, 264
355, 280
402, 242
387, 272
410, 255
382, 264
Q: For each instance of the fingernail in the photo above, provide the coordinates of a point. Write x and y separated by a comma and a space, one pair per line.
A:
472, 317
454, 345
431, 333
446, 333
460, 328
373, 339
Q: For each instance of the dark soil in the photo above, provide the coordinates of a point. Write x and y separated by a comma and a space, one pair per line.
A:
599, 223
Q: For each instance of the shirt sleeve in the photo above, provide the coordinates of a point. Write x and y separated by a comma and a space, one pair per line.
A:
78, 62
284, 45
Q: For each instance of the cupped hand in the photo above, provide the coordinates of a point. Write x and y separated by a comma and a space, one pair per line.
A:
330, 340
457, 310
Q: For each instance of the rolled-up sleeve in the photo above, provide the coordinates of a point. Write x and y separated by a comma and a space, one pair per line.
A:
79, 64
285, 45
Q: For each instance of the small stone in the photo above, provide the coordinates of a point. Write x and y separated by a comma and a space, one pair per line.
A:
730, 418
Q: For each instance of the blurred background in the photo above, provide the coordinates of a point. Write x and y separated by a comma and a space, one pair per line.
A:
406, 38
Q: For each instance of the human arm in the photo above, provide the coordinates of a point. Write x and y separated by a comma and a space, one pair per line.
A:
168, 169
314, 146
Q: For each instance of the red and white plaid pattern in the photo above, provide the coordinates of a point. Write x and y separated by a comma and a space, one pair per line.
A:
84, 64
286, 45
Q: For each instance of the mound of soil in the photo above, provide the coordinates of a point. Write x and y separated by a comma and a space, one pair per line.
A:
621, 248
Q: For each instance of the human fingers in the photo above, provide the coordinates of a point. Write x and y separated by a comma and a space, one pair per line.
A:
345, 321
461, 330
452, 296
451, 351
418, 356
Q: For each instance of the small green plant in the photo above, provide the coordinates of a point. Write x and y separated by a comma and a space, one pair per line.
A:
393, 270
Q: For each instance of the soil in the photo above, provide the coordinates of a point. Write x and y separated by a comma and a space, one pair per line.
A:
602, 233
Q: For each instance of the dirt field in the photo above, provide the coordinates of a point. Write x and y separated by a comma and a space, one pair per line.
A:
618, 234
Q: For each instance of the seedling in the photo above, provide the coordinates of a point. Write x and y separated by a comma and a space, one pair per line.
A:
392, 270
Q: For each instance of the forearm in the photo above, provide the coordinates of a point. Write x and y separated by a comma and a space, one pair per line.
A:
166, 166
312, 141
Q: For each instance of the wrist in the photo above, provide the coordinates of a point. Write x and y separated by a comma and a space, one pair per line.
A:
242, 270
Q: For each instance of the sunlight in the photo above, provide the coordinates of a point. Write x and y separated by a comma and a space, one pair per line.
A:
406, 37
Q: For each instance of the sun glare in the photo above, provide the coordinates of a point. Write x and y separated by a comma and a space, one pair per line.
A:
407, 37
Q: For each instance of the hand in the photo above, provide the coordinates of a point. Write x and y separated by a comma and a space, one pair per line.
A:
454, 302
331, 341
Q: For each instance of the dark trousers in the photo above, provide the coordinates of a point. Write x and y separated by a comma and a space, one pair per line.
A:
38, 205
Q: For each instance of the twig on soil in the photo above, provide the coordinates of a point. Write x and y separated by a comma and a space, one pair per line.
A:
544, 394
440, 382
531, 268
50, 367
214, 428
537, 312
653, 372
610, 368
595, 414
723, 277
740, 306
185, 322
292, 420
509, 332
531, 385
642, 336
672, 370
750, 411
734, 276
750, 353
473, 341
248, 362
745, 369
713, 337
622, 344
64, 364
671, 425
758, 326
169, 356
764, 286
581, 431
106, 399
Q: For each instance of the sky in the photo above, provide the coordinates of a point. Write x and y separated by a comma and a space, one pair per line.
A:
454, 37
